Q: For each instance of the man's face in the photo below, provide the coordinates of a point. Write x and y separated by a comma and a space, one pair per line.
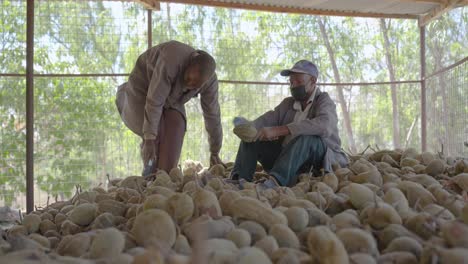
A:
297, 79
192, 78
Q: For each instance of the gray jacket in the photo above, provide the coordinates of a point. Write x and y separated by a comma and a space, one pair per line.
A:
321, 121
157, 82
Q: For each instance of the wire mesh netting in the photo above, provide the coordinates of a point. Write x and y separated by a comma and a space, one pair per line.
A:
447, 111
80, 139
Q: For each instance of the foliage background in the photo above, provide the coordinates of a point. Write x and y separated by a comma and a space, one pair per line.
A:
80, 139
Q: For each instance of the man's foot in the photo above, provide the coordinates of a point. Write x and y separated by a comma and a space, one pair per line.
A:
267, 183
238, 183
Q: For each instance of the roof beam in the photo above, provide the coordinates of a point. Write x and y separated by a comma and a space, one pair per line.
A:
150, 4
285, 9
427, 1
440, 10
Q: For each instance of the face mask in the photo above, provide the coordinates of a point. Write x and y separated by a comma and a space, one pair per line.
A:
299, 93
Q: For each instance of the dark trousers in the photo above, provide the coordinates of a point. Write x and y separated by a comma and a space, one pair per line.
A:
168, 143
283, 163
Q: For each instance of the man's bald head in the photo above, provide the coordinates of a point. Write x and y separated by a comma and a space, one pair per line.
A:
200, 68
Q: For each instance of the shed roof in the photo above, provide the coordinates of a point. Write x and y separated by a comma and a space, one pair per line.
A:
424, 10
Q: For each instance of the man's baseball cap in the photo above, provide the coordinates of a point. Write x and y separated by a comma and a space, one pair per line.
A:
302, 66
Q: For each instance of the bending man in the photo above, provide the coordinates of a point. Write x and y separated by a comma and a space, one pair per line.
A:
151, 103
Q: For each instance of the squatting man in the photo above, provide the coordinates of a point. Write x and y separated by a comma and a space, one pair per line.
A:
299, 135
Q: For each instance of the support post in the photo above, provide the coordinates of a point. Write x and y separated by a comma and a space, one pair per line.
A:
422, 43
30, 106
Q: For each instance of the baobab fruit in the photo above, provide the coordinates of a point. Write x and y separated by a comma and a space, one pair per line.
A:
435, 167
324, 245
107, 243
31, 222
284, 236
83, 214
298, 218
180, 207
154, 226
268, 244
240, 237
404, 244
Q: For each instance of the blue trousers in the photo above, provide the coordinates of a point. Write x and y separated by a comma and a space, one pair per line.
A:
283, 163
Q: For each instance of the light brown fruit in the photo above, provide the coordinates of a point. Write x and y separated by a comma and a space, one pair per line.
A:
47, 225
40, 239
83, 214
455, 233
404, 244
255, 230
325, 246
136, 183
380, 215
152, 227
298, 218
360, 195
204, 227
246, 132
397, 258
251, 255
361, 258
75, 245
176, 175
226, 199
180, 207
358, 241
252, 209
107, 243
182, 245
331, 180
240, 237
268, 244
31, 222
435, 167
155, 201
284, 236
104, 220
206, 202
69, 228
345, 220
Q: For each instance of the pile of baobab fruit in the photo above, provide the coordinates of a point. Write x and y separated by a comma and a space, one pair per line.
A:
396, 206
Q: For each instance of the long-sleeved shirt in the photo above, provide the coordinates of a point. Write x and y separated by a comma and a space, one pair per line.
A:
157, 82
321, 121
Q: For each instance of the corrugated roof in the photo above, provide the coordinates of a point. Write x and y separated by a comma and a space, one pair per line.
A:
424, 10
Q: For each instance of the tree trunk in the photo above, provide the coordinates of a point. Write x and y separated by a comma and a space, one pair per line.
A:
339, 89
169, 26
391, 72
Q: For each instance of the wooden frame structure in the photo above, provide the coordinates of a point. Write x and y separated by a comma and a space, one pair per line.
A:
442, 7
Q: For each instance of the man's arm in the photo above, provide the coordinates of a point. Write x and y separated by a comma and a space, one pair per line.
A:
212, 115
158, 90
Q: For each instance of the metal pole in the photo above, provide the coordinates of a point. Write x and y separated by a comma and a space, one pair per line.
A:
422, 43
150, 28
30, 106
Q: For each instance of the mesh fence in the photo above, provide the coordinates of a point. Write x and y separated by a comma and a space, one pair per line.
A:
447, 111
80, 139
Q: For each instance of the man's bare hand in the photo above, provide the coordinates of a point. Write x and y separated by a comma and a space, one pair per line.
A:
148, 151
271, 133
